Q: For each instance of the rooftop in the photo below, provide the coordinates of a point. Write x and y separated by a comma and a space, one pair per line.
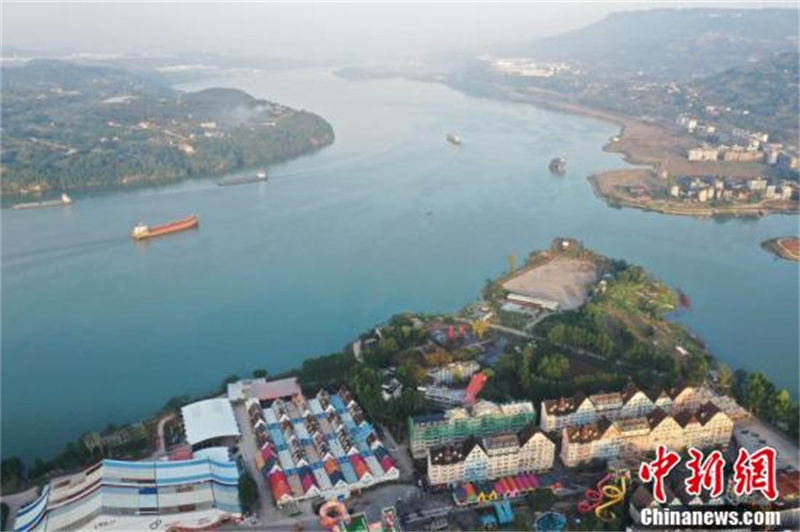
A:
209, 419
262, 389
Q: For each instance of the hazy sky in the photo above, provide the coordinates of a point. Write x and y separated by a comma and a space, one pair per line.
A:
322, 30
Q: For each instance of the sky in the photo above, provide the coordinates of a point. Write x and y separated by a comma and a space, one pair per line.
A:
300, 30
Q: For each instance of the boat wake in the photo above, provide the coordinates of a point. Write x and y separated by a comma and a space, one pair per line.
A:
62, 251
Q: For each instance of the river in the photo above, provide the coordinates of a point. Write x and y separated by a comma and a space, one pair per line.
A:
100, 329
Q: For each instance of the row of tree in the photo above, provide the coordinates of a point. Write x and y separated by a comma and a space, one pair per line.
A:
758, 394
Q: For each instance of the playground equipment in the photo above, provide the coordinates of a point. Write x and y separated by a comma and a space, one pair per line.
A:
610, 492
550, 522
332, 514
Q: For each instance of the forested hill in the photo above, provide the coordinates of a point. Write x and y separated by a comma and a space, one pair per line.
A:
672, 44
767, 90
68, 126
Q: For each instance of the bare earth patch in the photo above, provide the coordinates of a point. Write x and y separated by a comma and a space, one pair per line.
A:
561, 279
787, 247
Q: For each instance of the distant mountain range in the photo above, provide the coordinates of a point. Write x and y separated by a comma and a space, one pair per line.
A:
71, 126
672, 44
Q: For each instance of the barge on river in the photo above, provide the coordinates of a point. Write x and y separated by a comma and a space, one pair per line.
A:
243, 180
63, 201
143, 232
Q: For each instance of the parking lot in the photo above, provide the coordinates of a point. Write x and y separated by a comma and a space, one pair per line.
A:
754, 434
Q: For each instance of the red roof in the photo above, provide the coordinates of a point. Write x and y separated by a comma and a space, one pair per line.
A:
512, 485
266, 453
279, 485
183, 452
308, 482
387, 463
359, 466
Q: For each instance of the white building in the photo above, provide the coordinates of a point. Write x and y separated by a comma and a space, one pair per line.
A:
210, 423
118, 495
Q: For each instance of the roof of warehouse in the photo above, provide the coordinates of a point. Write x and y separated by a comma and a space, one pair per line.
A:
209, 419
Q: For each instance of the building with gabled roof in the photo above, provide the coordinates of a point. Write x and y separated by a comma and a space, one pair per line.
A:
629, 403
604, 439
491, 457
457, 424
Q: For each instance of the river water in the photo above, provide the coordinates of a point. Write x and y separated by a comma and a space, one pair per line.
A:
97, 328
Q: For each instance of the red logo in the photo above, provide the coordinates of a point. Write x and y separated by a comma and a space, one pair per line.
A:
755, 472
657, 470
706, 473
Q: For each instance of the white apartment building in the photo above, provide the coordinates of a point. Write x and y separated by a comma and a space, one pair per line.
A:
491, 457
707, 426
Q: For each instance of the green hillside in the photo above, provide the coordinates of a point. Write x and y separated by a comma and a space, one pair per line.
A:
68, 126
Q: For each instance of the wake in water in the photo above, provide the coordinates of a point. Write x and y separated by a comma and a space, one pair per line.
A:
64, 251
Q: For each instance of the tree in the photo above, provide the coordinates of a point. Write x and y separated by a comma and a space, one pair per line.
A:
248, 492
782, 406
757, 394
553, 367
175, 403
725, 383
479, 327
793, 421
260, 373
695, 368
526, 360
12, 471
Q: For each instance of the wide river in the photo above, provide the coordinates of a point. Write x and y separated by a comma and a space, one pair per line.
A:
97, 328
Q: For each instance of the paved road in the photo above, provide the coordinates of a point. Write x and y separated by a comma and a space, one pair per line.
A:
17, 500
400, 454
267, 511
162, 446
788, 453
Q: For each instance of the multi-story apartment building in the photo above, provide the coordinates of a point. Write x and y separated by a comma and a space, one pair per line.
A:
631, 403
457, 424
707, 426
502, 455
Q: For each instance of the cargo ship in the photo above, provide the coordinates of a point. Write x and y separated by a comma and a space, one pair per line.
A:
558, 165
142, 231
62, 201
452, 138
243, 180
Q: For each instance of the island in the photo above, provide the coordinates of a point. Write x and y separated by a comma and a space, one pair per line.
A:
785, 247
72, 126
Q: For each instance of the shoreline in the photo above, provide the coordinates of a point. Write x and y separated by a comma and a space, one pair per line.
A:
651, 147
777, 248
756, 210
9, 198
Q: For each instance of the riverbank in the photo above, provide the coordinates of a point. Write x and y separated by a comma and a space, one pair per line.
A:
614, 187
661, 153
785, 247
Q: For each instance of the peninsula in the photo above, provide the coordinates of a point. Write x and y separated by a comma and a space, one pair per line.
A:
71, 126
569, 327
